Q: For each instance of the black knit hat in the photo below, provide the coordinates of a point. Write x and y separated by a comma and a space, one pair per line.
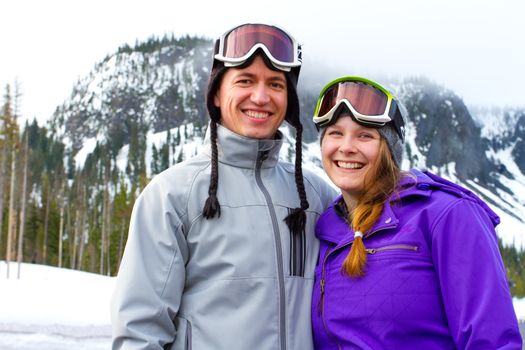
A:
296, 220
394, 142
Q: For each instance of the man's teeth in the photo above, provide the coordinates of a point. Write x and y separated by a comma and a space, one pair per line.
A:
257, 115
348, 165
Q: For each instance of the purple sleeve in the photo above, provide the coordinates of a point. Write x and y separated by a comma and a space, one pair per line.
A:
473, 281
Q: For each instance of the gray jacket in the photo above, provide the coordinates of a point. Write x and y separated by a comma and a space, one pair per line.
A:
240, 281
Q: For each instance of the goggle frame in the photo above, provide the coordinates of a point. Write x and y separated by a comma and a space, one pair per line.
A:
296, 48
392, 111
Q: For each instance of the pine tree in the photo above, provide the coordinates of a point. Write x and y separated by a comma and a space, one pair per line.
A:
11, 141
106, 223
77, 235
20, 252
120, 218
5, 114
46, 200
62, 205
164, 157
82, 225
154, 160
11, 226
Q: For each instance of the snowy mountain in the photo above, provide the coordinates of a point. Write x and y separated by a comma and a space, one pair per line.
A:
143, 92
158, 85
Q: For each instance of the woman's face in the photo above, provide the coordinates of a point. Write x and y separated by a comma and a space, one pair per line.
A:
348, 151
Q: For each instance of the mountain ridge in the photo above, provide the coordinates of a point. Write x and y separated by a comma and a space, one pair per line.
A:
159, 85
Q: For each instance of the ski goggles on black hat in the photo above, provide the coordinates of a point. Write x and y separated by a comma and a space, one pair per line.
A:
368, 102
238, 45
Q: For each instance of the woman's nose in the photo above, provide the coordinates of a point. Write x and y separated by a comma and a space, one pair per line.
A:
348, 145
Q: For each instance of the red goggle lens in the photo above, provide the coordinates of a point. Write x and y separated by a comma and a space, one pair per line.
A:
240, 41
365, 98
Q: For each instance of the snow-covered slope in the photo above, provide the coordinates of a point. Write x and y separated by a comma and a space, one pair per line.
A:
53, 309
50, 308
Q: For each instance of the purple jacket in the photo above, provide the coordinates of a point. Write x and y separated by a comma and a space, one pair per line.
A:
434, 277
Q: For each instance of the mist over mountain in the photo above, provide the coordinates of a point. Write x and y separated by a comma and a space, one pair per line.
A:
160, 85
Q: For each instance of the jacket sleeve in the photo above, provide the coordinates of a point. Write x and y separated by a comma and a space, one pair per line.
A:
473, 281
326, 192
151, 277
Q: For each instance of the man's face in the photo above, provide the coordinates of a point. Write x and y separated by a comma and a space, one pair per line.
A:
252, 100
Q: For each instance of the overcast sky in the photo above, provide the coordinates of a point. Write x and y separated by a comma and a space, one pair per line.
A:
475, 48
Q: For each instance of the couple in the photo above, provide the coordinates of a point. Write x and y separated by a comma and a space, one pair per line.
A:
236, 249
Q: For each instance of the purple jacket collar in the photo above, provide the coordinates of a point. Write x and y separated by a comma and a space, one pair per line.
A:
416, 184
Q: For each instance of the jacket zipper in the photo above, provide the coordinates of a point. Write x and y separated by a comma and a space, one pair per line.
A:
321, 302
391, 247
322, 284
278, 246
188, 335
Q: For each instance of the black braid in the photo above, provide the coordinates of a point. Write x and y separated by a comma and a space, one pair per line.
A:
296, 219
212, 206
299, 168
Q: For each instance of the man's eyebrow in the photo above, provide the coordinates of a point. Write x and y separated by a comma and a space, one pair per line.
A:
245, 74
276, 77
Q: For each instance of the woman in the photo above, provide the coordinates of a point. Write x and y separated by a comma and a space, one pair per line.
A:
408, 260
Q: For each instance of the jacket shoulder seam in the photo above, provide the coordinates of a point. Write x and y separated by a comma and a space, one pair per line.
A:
187, 195
446, 210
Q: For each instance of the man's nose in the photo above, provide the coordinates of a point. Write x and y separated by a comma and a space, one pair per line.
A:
260, 94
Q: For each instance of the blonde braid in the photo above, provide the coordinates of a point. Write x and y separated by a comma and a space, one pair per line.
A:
380, 183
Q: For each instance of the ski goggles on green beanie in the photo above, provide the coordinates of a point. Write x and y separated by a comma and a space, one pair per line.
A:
237, 45
369, 103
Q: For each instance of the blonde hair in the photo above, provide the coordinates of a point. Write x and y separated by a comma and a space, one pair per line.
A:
380, 182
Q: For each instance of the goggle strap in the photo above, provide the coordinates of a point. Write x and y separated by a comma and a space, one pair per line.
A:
399, 124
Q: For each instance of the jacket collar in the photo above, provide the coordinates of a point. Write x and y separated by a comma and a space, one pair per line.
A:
335, 228
414, 184
338, 230
242, 152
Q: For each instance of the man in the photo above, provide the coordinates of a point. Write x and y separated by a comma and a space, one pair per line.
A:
221, 250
